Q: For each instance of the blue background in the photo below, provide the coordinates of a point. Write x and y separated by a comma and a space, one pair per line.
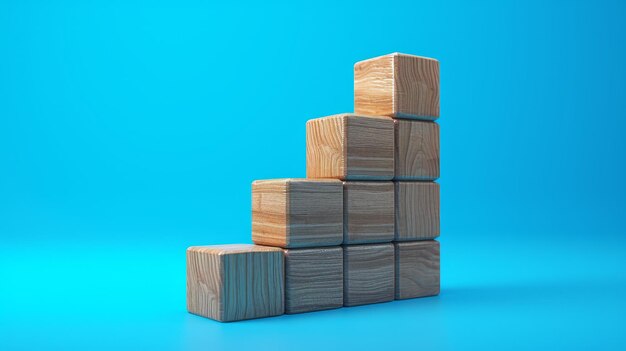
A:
130, 130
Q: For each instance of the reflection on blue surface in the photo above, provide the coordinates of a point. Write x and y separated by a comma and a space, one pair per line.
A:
129, 131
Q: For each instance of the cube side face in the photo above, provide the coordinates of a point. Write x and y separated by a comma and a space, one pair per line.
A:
368, 212
416, 87
313, 279
253, 285
373, 86
417, 150
417, 269
205, 284
325, 148
315, 214
417, 210
368, 274
269, 213
370, 148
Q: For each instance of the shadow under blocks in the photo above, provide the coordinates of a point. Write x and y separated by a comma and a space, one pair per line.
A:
360, 228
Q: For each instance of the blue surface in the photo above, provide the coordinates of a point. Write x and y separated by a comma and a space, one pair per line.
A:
130, 130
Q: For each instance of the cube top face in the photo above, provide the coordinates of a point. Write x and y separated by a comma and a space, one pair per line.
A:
313, 279
397, 85
417, 150
368, 274
368, 213
417, 210
296, 213
350, 147
417, 269
235, 282
229, 249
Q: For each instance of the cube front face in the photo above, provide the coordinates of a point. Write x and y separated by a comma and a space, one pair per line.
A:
313, 279
368, 212
235, 282
417, 210
397, 85
350, 147
417, 269
417, 150
295, 213
368, 274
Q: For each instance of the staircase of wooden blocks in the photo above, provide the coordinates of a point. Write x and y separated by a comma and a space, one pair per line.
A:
360, 228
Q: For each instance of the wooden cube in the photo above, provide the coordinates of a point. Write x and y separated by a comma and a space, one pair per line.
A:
313, 279
397, 85
293, 213
350, 147
417, 150
417, 211
368, 212
417, 269
234, 282
368, 274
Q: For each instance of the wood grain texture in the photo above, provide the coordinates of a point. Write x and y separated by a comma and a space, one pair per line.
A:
313, 279
350, 147
235, 282
417, 150
397, 85
368, 212
368, 274
417, 269
417, 210
293, 213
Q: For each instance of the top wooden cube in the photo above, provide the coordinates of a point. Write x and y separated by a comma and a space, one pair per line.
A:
397, 85
350, 147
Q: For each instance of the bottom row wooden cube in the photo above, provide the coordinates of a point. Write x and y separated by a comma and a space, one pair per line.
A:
417, 269
368, 274
313, 279
235, 282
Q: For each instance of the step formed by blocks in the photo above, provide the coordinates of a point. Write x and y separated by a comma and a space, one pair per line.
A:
293, 213
417, 211
313, 279
397, 85
417, 150
234, 282
417, 269
350, 147
368, 274
368, 212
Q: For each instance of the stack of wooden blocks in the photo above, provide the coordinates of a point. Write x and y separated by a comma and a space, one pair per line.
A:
360, 228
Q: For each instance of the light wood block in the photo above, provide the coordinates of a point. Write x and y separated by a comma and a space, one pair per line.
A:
350, 147
397, 85
293, 213
313, 279
417, 269
368, 274
368, 212
417, 211
234, 282
417, 150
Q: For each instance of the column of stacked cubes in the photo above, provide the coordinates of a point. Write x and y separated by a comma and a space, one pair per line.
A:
360, 228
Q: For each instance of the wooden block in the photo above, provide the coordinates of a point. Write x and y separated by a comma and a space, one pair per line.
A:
368, 274
417, 211
417, 269
417, 150
313, 279
368, 212
350, 147
397, 85
234, 282
293, 213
